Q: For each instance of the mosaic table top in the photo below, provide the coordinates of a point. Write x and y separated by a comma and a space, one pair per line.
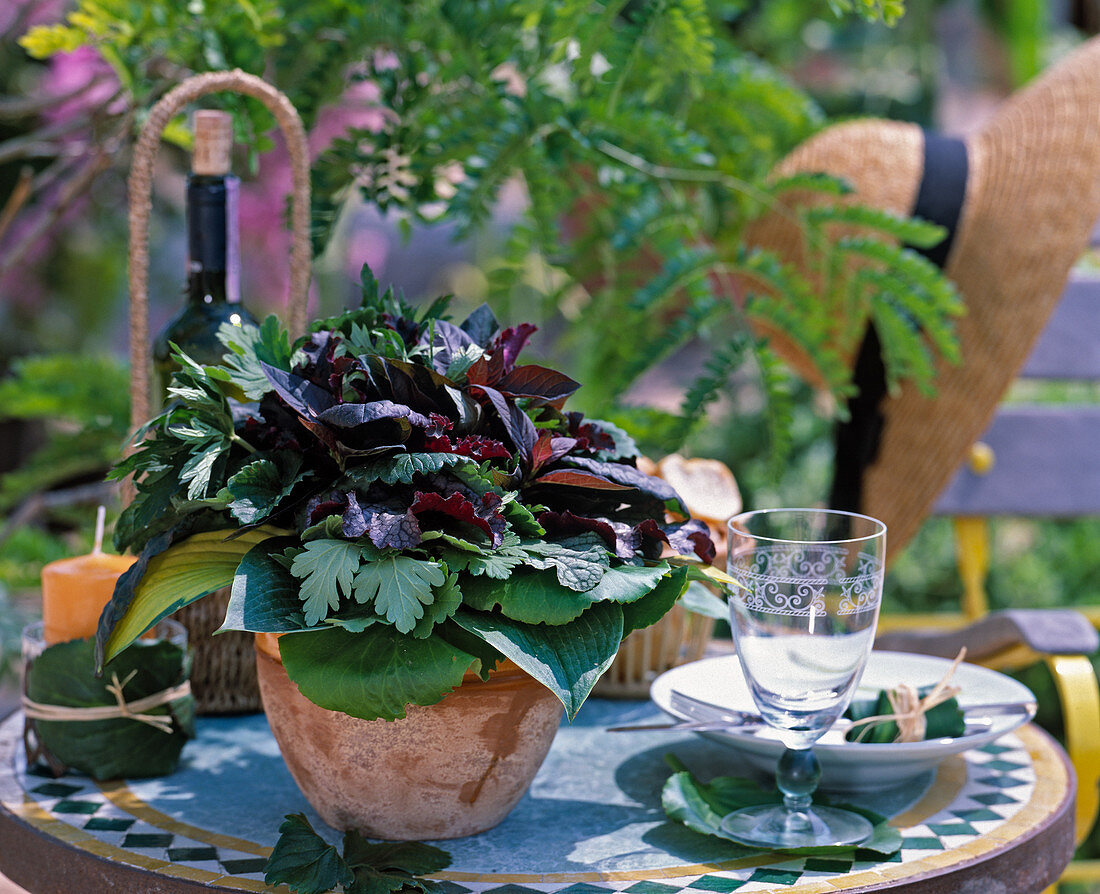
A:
591, 822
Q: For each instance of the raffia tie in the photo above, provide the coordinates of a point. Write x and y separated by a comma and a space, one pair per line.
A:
909, 708
132, 710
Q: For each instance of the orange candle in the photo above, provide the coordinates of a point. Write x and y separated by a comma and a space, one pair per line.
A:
75, 590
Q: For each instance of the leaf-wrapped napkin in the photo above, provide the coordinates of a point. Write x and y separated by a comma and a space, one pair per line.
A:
131, 722
895, 717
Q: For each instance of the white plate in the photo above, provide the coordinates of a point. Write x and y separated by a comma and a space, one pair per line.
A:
849, 766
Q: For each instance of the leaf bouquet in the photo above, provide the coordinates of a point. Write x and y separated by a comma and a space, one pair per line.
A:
405, 502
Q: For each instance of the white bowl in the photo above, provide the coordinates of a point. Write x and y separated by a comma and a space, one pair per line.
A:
850, 766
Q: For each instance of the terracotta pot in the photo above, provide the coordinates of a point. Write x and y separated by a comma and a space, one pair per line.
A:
449, 770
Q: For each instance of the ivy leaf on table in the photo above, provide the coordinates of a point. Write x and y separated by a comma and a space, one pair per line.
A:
385, 866
307, 864
701, 806
303, 861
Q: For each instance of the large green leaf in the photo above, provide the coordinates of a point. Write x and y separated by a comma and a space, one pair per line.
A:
399, 587
172, 579
653, 606
373, 674
531, 597
627, 583
264, 598
402, 467
107, 749
567, 659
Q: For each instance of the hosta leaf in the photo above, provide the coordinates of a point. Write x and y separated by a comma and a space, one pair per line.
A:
567, 659
303, 861
264, 597
373, 674
655, 604
326, 569
528, 596
626, 583
399, 587
170, 580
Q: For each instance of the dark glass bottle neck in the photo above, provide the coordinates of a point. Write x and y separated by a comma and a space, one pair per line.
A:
213, 255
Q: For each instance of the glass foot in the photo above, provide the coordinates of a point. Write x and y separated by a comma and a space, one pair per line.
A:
768, 826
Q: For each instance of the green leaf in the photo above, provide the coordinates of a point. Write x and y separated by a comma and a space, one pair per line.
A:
627, 583
580, 571
399, 587
699, 599
198, 469
258, 488
246, 347
402, 468
107, 749
326, 569
303, 861
373, 674
264, 597
385, 866
567, 659
701, 807
170, 580
654, 605
531, 597
497, 564
448, 598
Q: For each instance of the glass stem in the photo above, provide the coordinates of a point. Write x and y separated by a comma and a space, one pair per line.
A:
797, 775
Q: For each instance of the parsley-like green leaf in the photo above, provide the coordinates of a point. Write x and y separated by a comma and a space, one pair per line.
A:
401, 469
448, 599
399, 587
326, 569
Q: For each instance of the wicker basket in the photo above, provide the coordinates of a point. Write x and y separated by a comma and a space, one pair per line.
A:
679, 637
224, 675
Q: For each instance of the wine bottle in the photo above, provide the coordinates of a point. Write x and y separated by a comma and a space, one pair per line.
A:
213, 265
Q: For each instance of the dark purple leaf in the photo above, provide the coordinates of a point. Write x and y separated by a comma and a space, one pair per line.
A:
560, 525
519, 426
301, 395
396, 530
629, 476
543, 386
509, 344
449, 341
324, 509
549, 448
691, 536
481, 325
352, 415
589, 435
486, 517
570, 478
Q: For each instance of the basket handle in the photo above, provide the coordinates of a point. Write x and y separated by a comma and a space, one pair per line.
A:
141, 203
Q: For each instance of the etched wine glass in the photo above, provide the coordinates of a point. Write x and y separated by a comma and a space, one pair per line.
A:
804, 622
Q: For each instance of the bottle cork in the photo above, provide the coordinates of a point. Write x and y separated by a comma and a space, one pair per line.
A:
213, 145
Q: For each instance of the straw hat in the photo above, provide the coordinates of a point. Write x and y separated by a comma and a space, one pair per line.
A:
1031, 198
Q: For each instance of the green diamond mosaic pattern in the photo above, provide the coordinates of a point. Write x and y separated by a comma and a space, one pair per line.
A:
1000, 781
